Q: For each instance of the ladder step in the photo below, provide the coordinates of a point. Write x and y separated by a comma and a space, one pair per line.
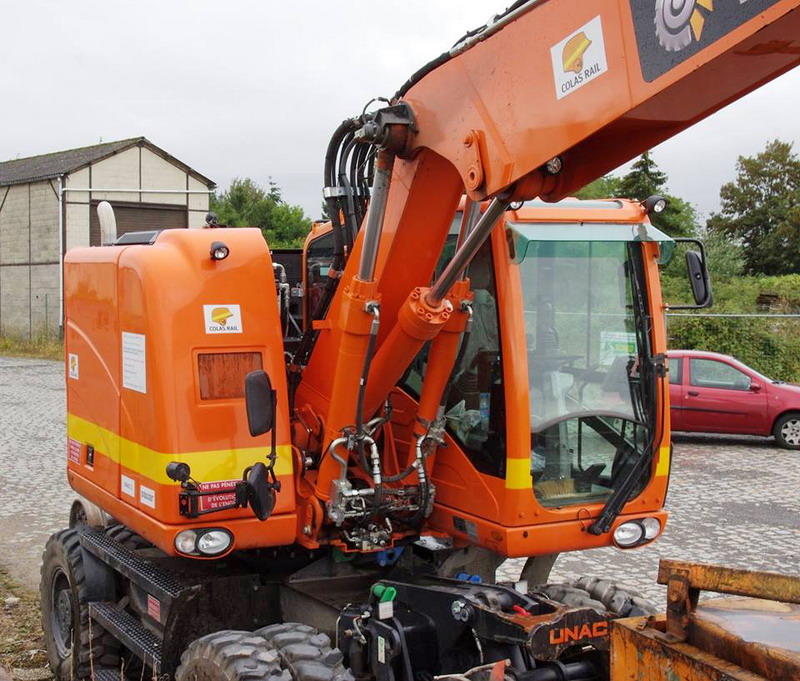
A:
107, 674
130, 632
164, 586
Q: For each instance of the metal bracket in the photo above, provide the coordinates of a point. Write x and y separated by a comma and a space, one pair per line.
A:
389, 128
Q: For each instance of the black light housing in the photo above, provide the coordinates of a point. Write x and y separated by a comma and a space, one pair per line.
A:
654, 204
219, 251
178, 471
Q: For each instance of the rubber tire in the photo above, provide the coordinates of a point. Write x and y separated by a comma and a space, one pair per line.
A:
62, 557
230, 656
128, 538
305, 652
569, 596
779, 424
623, 601
600, 594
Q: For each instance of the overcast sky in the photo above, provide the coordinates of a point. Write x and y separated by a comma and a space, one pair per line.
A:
255, 89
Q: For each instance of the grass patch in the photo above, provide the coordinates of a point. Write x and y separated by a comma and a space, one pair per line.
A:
21, 639
41, 347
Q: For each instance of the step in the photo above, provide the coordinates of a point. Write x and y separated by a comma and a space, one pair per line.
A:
164, 586
129, 631
107, 674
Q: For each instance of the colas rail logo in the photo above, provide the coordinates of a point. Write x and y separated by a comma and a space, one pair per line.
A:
222, 318
680, 22
579, 58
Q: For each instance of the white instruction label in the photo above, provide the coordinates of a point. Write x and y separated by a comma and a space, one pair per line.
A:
128, 486
222, 318
73, 366
579, 58
134, 362
147, 496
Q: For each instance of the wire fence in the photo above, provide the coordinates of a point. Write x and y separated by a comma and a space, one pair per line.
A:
769, 343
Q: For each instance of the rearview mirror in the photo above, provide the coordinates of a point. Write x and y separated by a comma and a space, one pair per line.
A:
260, 400
699, 281
698, 278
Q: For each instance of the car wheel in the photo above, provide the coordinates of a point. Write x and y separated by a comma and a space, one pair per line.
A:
787, 430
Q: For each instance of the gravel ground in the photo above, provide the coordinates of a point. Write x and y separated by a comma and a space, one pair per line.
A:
733, 500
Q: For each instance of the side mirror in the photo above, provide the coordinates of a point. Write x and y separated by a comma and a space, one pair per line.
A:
698, 278
260, 400
755, 387
696, 265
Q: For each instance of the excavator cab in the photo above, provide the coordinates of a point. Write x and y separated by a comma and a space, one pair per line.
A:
557, 400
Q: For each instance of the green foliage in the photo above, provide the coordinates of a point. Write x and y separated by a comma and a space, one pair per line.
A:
606, 187
246, 204
761, 210
645, 179
769, 345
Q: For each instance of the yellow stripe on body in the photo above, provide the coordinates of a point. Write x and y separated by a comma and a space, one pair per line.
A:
662, 467
207, 466
518, 474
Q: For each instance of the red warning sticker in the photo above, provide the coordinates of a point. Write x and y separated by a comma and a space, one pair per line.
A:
226, 495
154, 607
74, 450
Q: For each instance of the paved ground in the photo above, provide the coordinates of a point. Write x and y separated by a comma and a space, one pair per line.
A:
734, 501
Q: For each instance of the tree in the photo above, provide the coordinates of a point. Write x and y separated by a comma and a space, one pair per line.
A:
246, 204
645, 179
606, 187
761, 210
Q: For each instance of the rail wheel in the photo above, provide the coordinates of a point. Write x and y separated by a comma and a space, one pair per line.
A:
306, 653
75, 646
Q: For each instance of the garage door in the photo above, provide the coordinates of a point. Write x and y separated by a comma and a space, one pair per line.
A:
138, 217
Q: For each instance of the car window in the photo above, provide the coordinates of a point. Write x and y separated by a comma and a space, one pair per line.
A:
709, 373
675, 370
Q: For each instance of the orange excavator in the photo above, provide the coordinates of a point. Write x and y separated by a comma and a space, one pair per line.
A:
475, 370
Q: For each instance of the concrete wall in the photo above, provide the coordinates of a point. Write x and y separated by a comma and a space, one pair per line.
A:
29, 259
29, 240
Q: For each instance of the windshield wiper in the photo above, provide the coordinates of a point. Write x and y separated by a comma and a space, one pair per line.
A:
619, 497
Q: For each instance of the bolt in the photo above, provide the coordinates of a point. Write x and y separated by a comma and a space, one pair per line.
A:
307, 530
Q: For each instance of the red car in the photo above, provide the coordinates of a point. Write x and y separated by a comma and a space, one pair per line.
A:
713, 393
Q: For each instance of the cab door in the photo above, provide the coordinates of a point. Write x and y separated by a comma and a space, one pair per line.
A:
720, 398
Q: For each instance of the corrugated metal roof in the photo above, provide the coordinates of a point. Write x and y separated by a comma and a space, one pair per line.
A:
58, 163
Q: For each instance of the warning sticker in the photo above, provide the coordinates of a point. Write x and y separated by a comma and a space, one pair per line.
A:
579, 58
134, 362
226, 495
127, 485
73, 366
154, 607
147, 496
222, 318
74, 450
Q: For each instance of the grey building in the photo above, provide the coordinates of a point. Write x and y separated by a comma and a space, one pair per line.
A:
48, 205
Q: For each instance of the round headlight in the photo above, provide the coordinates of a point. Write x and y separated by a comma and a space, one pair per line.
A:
186, 541
214, 542
652, 526
628, 534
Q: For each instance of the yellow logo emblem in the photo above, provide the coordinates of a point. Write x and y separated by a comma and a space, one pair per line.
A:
572, 56
220, 315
